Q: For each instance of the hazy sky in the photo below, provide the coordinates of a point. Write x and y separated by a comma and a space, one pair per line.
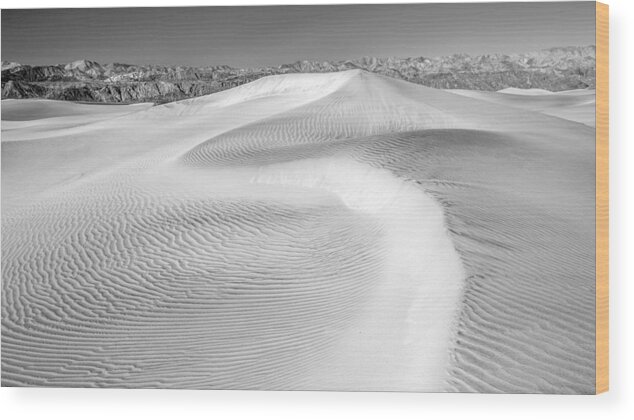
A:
273, 35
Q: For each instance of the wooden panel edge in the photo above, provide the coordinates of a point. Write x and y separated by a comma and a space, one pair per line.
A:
602, 199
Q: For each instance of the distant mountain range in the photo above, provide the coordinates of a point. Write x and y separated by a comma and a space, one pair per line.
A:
553, 69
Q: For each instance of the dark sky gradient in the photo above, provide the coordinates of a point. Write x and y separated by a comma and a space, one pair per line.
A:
273, 35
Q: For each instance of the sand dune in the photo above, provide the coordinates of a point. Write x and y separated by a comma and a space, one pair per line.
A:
30, 119
37, 109
573, 105
340, 231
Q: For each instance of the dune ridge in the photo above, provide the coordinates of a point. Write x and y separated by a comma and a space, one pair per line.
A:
331, 231
402, 337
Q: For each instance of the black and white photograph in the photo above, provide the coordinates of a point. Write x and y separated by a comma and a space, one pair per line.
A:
367, 197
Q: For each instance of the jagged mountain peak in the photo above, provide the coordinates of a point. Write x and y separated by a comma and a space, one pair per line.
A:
82, 65
7, 65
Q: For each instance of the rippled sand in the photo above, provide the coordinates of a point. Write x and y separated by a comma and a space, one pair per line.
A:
340, 231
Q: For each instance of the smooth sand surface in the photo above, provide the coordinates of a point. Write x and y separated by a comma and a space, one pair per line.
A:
37, 109
573, 105
28, 118
340, 231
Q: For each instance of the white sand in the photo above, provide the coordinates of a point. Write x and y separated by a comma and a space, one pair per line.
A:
38, 109
572, 105
400, 338
300, 232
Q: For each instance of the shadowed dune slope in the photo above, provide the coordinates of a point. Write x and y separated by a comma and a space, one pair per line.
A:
329, 231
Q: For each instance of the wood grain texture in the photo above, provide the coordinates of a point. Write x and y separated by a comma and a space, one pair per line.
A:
602, 210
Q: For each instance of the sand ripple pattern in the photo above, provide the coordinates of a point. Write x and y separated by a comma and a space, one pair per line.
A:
127, 291
520, 220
